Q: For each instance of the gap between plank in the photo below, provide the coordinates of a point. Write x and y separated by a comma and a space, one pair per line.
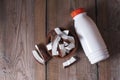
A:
46, 71
96, 13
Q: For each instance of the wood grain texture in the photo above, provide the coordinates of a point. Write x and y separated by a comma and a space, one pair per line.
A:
58, 15
2, 31
24, 23
18, 40
108, 19
40, 34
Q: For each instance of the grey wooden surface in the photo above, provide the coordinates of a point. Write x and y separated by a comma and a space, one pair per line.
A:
24, 23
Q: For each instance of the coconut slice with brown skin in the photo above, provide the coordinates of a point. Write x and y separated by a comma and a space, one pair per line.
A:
37, 57
41, 49
62, 50
65, 43
55, 46
69, 62
66, 32
70, 46
49, 46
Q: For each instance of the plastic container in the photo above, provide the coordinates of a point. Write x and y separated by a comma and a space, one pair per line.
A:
89, 36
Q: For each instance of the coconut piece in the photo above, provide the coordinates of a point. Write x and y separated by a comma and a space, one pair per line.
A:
66, 32
49, 46
43, 52
37, 57
36, 46
65, 43
62, 50
63, 35
70, 46
69, 62
71, 39
59, 32
55, 45
67, 51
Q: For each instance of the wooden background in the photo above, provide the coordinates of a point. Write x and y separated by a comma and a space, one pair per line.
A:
24, 23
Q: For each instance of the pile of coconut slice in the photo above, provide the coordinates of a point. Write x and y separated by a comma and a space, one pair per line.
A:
62, 44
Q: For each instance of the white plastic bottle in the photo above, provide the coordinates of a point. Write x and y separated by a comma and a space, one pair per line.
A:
89, 36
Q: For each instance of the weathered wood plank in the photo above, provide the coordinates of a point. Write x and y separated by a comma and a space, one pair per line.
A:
2, 31
18, 40
40, 34
108, 20
58, 15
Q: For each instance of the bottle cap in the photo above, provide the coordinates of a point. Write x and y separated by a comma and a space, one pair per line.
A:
77, 11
